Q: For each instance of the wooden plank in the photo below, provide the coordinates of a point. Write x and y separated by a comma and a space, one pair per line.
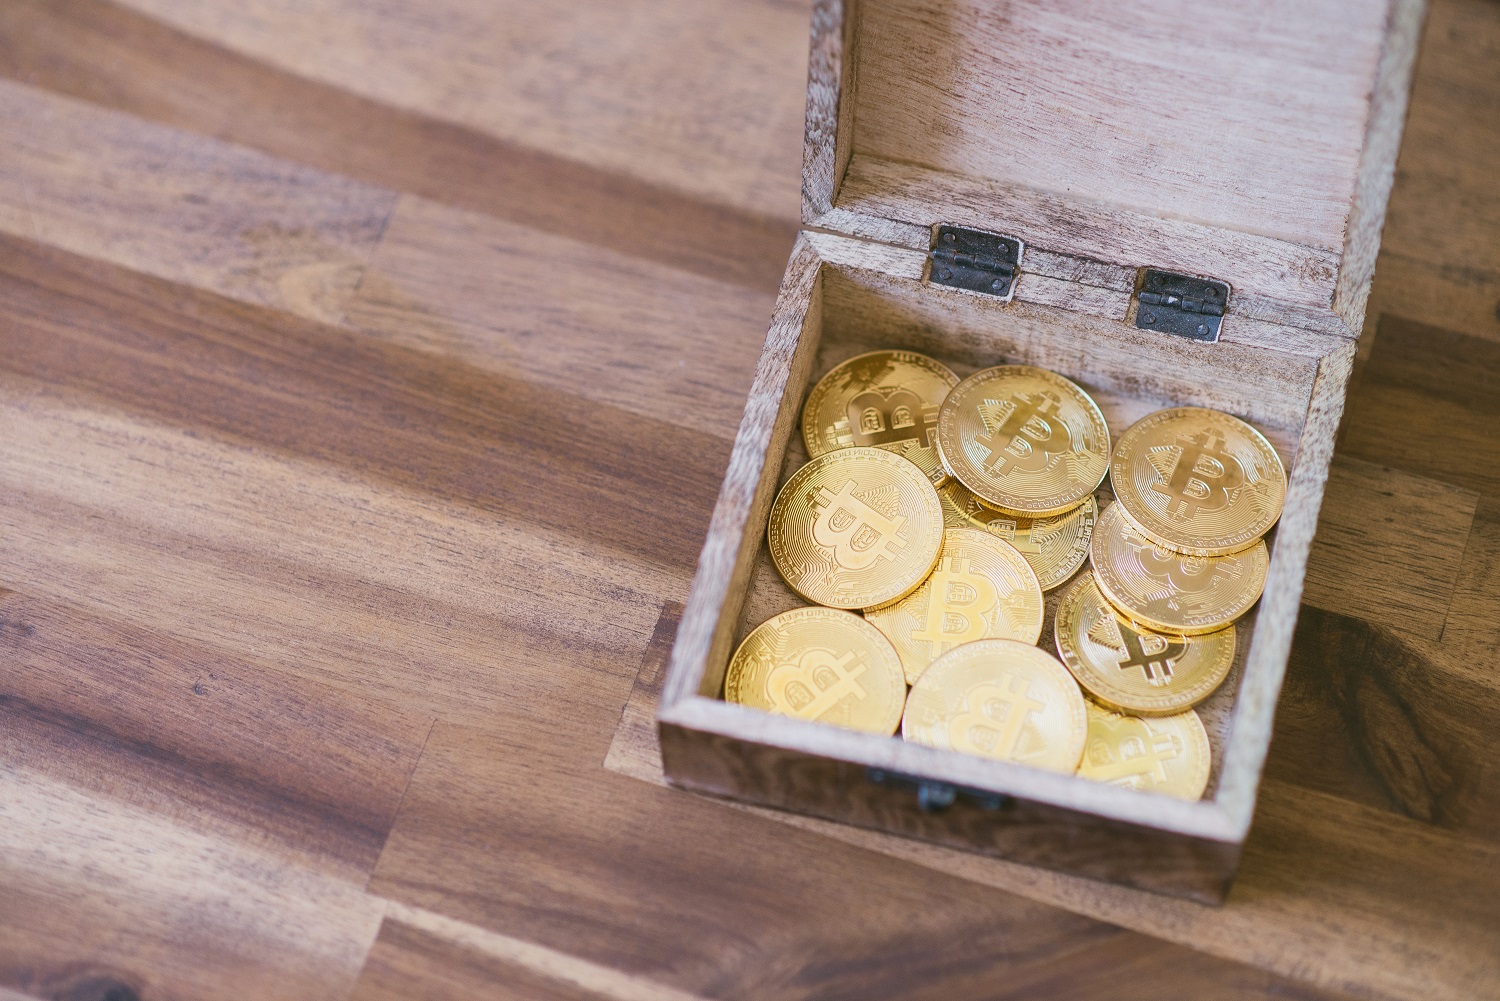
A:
183, 207
598, 324
1389, 547
118, 58
705, 98
1439, 257
705, 900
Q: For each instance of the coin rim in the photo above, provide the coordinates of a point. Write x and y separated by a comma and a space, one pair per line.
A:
838, 615
1201, 545
816, 394
987, 538
854, 453
1095, 682
1200, 732
968, 649
997, 499
1078, 554
1160, 625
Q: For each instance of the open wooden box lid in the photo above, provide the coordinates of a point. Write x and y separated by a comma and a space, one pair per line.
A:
1251, 143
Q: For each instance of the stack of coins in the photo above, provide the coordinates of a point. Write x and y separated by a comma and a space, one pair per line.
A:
942, 510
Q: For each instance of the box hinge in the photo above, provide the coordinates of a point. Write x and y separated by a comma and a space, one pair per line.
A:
1180, 304
974, 260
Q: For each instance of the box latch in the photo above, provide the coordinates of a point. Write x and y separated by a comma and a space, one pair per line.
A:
1181, 305
974, 260
934, 796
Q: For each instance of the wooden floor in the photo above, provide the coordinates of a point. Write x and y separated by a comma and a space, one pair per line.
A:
367, 374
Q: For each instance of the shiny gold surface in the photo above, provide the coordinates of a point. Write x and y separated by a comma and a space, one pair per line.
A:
999, 699
885, 399
1055, 546
1130, 668
1168, 591
819, 664
1198, 481
1026, 441
1163, 754
982, 588
855, 528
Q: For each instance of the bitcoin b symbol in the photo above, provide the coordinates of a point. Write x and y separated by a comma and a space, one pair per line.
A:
813, 685
1205, 477
857, 534
1182, 574
1031, 434
1154, 655
1134, 757
958, 599
882, 418
993, 717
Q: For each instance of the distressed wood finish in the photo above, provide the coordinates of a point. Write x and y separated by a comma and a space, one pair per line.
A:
1255, 147
922, 148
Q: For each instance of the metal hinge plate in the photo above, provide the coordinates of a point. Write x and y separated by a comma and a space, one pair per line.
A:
1181, 305
974, 260
934, 796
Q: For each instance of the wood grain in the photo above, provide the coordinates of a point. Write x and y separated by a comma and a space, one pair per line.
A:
342, 531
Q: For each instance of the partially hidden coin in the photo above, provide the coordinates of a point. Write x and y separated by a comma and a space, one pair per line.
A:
855, 528
1131, 668
982, 588
1025, 440
1162, 754
1055, 546
1166, 590
884, 399
1198, 481
1000, 699
819, 664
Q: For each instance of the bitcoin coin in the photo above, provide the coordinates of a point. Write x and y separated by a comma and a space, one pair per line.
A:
855, 528
885, 399
999, 699
1198, 481
1133, 669
1169, 591
1165, 754
1055, 547
819, 664
982, 589
1026, 441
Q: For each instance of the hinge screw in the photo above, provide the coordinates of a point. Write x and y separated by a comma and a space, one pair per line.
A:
1202, 329
997, 284
1148, 317
945, 274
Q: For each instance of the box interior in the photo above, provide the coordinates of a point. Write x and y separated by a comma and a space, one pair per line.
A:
867, 309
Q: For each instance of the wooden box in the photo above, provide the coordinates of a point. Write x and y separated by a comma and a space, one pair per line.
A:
1252, 144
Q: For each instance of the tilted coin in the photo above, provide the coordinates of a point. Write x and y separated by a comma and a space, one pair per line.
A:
885, 399
1131, 668
1024, 440
819, 664
1000, 699
1198, 481
982, 589
855, 528
1166, 590
1165, 754
1055, 546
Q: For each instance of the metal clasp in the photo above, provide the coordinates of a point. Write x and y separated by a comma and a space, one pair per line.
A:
1181, 304
976, 261
934, 796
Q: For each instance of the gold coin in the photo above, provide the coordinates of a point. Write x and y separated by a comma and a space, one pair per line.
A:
819, 664
1055, 547
1000, 699
1198, 481
856, 528
1169, 591
982, 589
1165, 754
885, 399
1130, 668
1026, 441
